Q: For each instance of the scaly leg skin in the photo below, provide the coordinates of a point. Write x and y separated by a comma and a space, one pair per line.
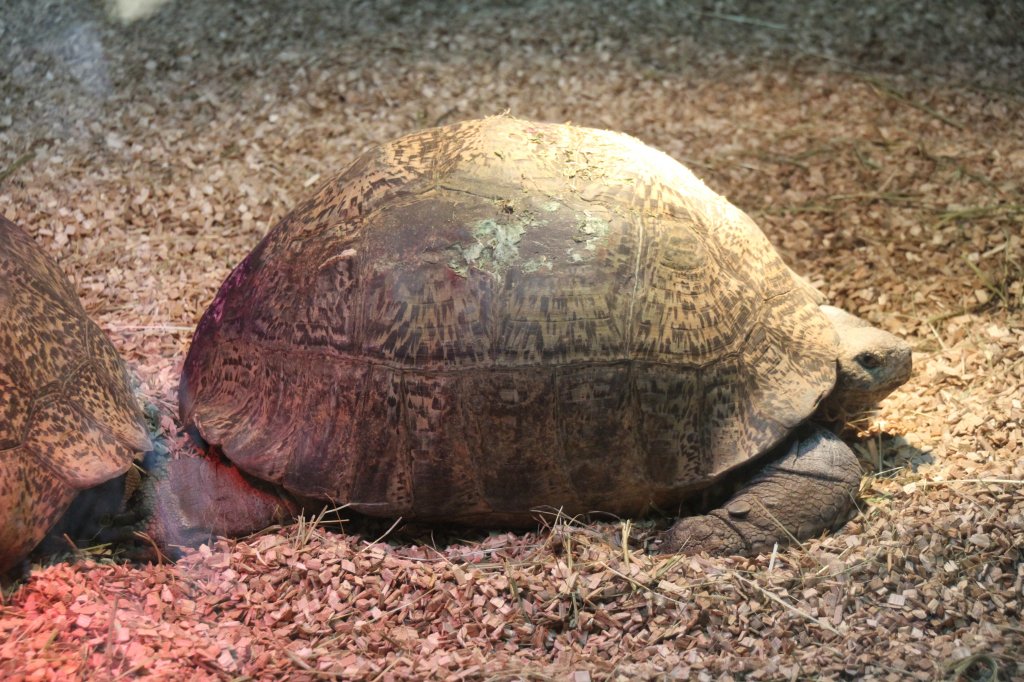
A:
192, 499
809, 489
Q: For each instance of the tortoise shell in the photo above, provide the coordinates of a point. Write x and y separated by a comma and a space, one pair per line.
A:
477, 321
68, 418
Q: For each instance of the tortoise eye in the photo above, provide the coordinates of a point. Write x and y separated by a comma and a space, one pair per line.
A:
869, 360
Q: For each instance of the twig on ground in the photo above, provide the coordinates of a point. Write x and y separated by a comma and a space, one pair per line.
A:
881, 87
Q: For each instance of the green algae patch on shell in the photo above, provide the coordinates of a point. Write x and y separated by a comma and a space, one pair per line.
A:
495, 246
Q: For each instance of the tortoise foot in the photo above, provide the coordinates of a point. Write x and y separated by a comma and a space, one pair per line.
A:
809, 489
195, 498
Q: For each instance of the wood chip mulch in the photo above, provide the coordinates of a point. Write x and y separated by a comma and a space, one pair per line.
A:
885, 161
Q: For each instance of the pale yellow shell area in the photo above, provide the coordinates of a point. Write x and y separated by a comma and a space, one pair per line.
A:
68, 418
480, 320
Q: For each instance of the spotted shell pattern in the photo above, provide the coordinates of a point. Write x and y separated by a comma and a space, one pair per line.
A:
68, 418
480, 320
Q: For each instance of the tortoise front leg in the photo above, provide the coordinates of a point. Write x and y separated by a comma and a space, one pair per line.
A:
809, 489
189, 500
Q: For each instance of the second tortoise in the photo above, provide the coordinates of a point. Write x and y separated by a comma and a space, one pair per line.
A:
70, 425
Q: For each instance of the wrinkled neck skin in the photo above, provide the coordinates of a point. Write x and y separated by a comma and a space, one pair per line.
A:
871, 364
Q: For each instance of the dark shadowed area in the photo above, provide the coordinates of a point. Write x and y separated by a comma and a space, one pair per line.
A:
879, 145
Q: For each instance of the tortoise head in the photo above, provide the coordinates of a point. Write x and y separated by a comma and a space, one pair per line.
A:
871, 364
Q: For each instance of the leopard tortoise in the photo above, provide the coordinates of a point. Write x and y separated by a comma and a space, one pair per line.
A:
479, 322
69, 423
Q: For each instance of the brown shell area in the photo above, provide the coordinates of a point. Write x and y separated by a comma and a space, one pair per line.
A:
480, 320
68, 419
